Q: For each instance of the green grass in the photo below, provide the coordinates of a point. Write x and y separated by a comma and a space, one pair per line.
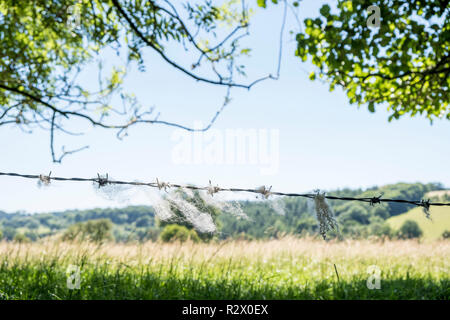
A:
279, 269
432, 229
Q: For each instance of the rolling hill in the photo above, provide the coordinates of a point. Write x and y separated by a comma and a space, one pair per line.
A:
432, 229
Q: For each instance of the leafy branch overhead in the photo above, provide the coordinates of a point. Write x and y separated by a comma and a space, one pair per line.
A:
49, 49
404, 65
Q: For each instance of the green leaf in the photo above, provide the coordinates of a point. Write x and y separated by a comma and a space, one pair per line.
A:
399, 55
325, 10
261, 3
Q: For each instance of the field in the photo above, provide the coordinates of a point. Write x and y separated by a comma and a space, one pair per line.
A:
288, 268
432, 229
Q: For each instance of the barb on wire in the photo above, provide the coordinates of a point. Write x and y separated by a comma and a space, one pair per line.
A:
212, 189
162, 185
44, 180
266, 192
102, 181
375, 200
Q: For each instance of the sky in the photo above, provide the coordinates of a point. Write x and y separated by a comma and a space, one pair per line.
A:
306, 137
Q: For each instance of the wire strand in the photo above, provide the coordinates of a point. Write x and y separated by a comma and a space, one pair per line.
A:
102, 181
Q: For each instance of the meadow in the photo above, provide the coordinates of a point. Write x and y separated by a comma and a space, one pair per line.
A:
287, 268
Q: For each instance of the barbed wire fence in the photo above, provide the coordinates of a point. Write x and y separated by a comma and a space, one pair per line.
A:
266, 192
324, 213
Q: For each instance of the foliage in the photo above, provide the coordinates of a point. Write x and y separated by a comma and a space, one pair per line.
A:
410, 230
175, 232
93, 230
47, 50
432, 228
381, 229
446, 234
21, 238
9, 233
404, 64
356, 220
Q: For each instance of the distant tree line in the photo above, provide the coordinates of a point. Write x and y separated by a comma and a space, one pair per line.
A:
138, 223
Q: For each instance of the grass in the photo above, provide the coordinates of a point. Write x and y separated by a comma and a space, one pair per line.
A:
432, 229
288, 268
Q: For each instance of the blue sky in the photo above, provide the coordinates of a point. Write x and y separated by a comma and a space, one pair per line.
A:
324, 142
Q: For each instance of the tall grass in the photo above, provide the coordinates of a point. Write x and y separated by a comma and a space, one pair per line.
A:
288, 268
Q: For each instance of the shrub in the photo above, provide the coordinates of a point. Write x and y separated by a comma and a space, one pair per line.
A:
175, 232
409, 230
143, 222
306, 226
93, 230
31, 235
9, 233
380, 211
381, 230
151, 234
446, 234
21, 238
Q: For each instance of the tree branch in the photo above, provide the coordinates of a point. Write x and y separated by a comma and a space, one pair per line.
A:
174, 64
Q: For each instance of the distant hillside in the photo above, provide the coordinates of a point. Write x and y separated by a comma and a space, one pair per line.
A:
356, 219
267, 219
431, 229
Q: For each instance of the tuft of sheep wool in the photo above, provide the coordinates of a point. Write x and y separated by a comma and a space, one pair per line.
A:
324, 215
426, 208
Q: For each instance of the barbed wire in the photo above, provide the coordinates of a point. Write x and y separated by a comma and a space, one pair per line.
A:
263, 190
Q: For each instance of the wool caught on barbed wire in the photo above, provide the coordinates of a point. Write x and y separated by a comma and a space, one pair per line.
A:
227, 206
113, 192
162, 210
201, 221
278, 205
44, 180
162, 185
212, 189
181, 206
264, 191
324, 215
426, 208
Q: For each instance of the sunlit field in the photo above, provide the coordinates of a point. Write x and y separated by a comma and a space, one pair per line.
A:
288, 268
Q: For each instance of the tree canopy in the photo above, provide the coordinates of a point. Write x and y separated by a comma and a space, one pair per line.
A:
47, 45
404, 64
